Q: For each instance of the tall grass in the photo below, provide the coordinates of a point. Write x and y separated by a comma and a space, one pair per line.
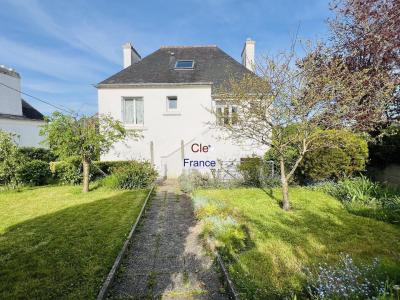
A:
363, 197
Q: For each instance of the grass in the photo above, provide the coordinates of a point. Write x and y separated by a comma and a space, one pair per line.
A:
279, 245
58, 243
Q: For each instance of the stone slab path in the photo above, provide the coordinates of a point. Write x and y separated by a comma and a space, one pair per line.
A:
165, 259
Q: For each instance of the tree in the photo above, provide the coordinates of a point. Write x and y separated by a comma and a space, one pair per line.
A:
9, 158
86, 137
291, 100
366, 35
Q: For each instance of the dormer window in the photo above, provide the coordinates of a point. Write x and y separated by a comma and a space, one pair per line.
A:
184, 64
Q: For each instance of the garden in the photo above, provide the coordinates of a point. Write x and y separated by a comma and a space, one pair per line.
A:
340, 238
57, 240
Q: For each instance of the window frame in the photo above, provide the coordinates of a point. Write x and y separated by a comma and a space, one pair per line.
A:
184, 68
172, 110
226, 114
134, 99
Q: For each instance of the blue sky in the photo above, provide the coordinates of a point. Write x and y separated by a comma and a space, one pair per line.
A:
62, 48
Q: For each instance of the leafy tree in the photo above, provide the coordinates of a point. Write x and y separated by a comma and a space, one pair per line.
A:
366, 35
292, 98
8, 158
87, 137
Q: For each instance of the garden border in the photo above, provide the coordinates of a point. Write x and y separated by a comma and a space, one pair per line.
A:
231, 286
111, 275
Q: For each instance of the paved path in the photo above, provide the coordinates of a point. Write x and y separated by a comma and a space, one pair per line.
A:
165, 259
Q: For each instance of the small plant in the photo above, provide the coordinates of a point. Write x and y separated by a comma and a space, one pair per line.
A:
345, 280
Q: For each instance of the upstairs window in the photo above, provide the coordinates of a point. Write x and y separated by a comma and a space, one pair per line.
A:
184, 64
226, 114
172, 103
133, 110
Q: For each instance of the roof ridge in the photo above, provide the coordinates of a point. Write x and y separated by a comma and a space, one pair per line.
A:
194, 46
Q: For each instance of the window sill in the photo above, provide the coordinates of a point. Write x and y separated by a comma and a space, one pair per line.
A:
134, 127
172, 113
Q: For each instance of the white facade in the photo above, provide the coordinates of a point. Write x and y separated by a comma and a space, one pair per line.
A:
27, 131
166, 131
12, 118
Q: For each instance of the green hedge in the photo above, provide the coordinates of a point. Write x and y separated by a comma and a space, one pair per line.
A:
69, 171
33, 172
37, 154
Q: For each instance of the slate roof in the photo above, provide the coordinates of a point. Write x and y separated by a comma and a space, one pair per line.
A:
28, 113
211, 65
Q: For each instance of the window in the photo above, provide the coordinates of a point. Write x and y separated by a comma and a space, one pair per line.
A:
133, 110
184, 64
172, 103
226, 114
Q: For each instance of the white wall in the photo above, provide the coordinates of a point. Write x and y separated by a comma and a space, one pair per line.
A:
166, 131
27, 131
10, 100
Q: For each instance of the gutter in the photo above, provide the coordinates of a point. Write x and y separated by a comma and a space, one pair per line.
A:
149, 84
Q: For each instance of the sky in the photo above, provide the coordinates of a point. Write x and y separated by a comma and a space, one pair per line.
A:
63, 48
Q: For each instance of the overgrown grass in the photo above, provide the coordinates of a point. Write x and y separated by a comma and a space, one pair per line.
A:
58, 243
364, 197
270, 256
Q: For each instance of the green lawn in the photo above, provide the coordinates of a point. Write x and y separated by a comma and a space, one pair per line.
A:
58, 243
280, 244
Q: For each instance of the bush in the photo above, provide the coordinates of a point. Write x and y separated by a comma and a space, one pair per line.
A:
250, 169
37, 154
345, 158
363, 197
68, 171
99, 168
9, 159
33, 172
131, 175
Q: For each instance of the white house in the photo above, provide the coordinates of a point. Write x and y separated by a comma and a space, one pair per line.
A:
16, 115
168, 96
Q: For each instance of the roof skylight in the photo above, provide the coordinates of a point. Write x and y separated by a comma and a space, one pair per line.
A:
184, 64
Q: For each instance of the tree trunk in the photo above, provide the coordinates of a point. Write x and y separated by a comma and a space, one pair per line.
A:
86, 170
285, 188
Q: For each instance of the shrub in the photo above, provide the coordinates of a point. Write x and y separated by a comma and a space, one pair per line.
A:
37, 154
250, 169
345, 154
68, 171
9, 159
345, 280
33, 172
363, 197
100, 168
133, 174
347, 157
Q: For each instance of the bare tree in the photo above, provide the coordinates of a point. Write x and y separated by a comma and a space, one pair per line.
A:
290, 100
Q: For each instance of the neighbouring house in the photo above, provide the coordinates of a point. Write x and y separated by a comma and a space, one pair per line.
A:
16, 115
168, 96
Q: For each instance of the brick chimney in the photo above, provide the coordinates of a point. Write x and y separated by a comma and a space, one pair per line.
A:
131, 56
248, 54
